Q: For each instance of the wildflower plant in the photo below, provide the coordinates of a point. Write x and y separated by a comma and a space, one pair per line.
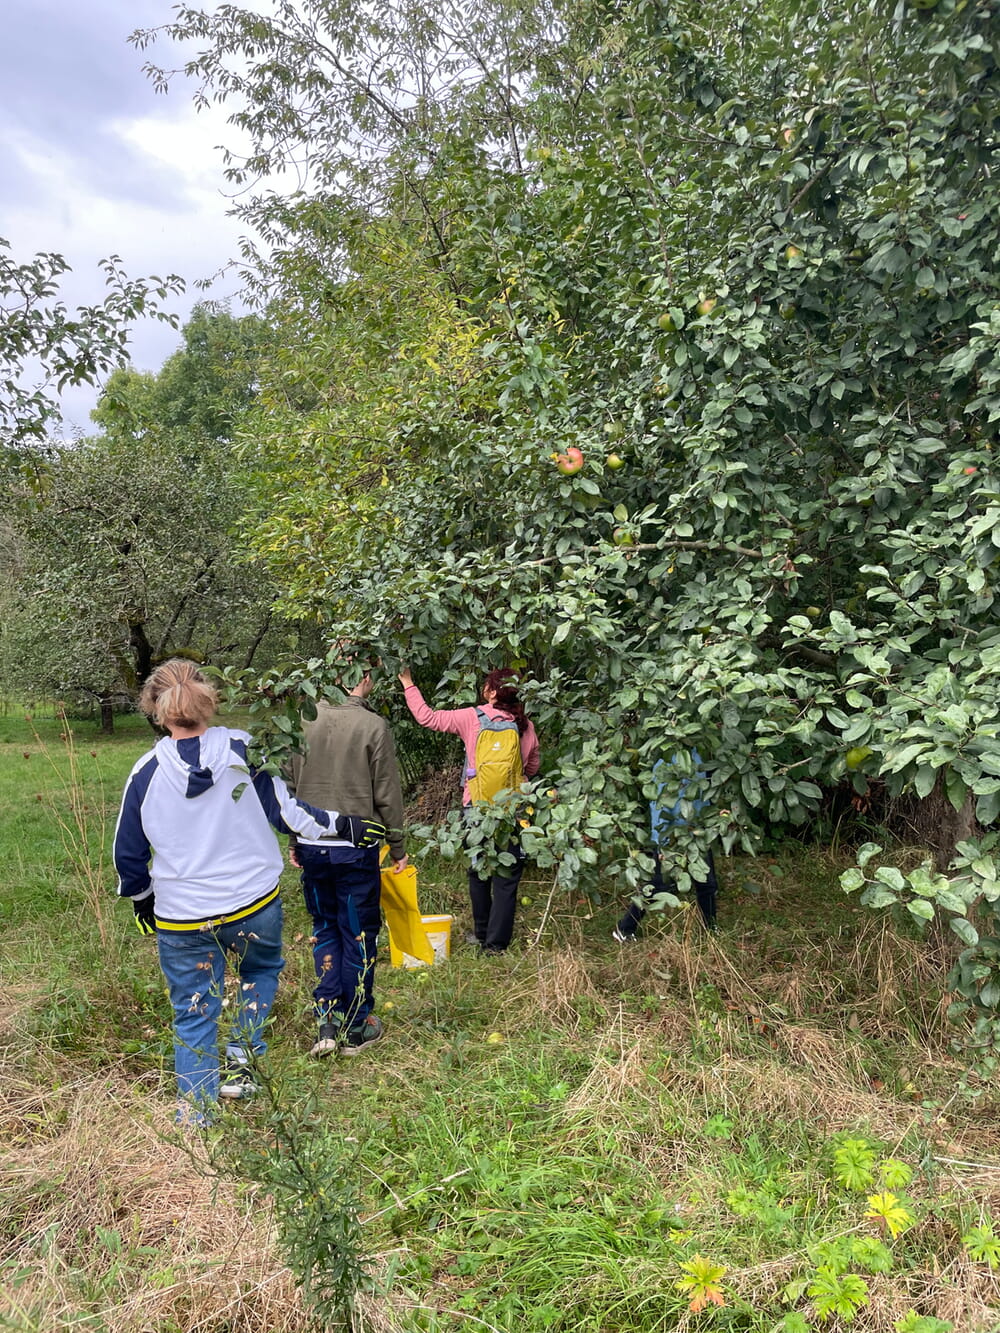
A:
701, 1283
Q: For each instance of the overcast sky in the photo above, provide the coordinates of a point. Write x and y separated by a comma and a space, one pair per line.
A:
93, 162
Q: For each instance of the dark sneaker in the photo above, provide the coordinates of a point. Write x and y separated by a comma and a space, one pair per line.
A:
327, 1040
360, 1038
238, 1083
623, 937
472, 938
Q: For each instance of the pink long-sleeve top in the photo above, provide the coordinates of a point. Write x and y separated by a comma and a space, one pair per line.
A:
463, 722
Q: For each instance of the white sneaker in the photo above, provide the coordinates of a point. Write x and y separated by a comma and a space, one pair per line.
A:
238, 1083
327, 1040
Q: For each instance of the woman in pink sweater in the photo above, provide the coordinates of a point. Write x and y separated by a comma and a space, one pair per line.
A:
494, 900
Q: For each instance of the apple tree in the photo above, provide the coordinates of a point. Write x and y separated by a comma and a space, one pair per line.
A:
744, 260
123, 545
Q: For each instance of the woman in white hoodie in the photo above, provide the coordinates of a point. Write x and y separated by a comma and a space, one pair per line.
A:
196, 852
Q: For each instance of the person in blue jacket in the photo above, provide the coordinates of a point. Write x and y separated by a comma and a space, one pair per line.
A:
196, 852
663, 820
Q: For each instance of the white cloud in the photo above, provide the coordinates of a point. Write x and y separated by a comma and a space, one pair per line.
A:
188, 144
190, 235
96, 163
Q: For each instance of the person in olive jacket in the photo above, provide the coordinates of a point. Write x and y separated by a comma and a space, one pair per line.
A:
349, 751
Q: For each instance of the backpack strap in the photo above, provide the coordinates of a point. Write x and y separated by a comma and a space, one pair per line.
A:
487, 723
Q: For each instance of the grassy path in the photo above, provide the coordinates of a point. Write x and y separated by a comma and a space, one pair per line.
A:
646, 1117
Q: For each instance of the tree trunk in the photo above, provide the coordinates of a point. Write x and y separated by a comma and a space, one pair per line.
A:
945, 826
940, 828
142, 652
934, 823
107, 717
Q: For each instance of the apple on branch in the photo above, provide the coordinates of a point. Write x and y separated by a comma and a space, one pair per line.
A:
570, 462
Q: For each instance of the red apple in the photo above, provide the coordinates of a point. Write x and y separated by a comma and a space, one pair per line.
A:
570, 462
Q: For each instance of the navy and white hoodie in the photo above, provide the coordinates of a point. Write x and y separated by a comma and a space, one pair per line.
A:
205, 848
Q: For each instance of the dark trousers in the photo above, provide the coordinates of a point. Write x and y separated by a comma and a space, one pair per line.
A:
341, 890
705, 892
494, 903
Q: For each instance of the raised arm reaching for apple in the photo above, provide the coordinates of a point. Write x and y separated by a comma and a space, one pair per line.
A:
493, 898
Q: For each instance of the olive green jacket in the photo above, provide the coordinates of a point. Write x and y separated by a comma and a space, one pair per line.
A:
350, 766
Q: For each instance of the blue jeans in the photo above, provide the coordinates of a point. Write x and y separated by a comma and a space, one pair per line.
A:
194, 967
341, 887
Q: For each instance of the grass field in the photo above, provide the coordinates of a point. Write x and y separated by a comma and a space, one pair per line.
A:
764, 1130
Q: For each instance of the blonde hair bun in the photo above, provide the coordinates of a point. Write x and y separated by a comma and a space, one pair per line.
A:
177, 694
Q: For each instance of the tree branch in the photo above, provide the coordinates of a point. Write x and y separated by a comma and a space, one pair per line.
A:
677, 545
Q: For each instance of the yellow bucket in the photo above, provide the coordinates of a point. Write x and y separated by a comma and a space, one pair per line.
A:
438, 931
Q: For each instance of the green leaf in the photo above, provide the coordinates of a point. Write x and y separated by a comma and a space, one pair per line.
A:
920, 907
876, 896
965, 931
892, 876
955, 789
865, 853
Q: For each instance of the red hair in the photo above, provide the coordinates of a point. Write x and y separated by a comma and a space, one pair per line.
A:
504, 681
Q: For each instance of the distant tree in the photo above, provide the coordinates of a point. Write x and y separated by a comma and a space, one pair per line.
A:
201, 389
126, 552
44, 347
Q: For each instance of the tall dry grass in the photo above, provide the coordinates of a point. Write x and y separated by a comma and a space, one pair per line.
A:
108, 1221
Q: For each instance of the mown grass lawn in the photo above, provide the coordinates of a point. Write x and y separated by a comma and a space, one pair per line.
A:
647, 1116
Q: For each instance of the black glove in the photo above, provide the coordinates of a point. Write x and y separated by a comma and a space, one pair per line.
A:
145, 921
362, 832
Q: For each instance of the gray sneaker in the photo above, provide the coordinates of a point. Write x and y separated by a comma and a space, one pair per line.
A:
327, 1040
360, 1038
